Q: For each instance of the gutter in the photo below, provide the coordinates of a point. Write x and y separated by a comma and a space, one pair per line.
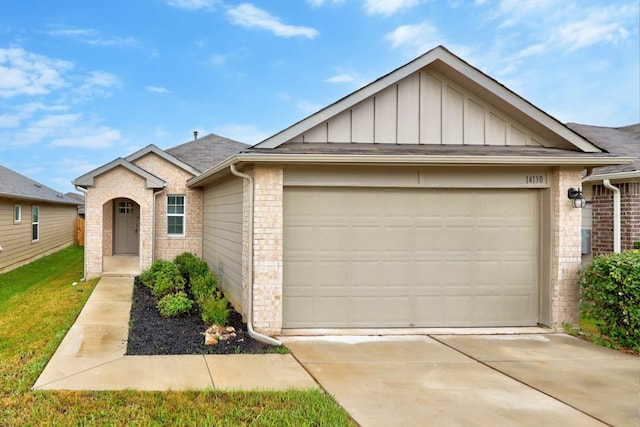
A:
253, 334
616, 214
401, 160
84, 253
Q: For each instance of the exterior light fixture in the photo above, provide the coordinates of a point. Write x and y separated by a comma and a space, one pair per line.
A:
577, 198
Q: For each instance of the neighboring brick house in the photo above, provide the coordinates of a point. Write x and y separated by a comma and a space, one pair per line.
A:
140, 205
432, 197
599, 220
35, 220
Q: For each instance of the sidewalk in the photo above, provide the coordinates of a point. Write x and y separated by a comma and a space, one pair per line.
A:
92, 357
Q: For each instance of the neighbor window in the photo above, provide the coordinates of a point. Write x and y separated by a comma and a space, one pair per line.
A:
17, 213
175, 215
35, 223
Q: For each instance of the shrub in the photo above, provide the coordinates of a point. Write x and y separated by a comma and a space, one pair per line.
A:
167, 283
214, 308
159, 267
611, 296
636, 245
190, 266
203, 285
173, 305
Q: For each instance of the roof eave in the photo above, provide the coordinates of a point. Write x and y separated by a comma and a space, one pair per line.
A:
151, 148
88, 179
222, 169
615, 176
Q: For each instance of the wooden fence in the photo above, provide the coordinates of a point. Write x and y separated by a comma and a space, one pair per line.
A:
79, 234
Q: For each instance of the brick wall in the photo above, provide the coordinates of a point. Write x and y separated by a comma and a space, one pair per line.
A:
566, 249
602, 202
117, 183
167, 247
267, 250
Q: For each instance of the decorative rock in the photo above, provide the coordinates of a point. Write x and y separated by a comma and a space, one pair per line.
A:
216, 333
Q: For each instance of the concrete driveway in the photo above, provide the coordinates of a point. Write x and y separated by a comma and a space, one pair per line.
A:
474, 380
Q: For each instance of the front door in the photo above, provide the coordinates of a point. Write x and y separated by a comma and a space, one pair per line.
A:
126, 224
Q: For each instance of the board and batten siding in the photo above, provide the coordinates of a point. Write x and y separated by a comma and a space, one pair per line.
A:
222, 236
423, 108
57, 231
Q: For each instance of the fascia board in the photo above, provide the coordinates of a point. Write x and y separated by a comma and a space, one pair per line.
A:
617, 176
88, 179
151, 148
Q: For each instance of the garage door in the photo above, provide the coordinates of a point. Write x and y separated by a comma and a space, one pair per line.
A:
410, 257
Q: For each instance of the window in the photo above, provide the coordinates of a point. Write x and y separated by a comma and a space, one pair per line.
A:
17, 214
125, 207
175, 215
35, 223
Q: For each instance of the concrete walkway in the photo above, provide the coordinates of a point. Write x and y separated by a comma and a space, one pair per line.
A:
92, 356
474, 380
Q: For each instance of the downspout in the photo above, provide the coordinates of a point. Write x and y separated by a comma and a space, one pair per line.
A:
616, 214
84, 252
153, 223
253, 334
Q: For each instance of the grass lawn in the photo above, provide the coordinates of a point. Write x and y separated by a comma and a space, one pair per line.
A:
38, 305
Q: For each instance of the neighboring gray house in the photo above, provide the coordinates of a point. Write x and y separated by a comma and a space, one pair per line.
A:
612, 222
35, 220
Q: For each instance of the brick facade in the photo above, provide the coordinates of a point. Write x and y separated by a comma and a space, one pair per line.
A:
153, 240
566, 249
602, 232
267, 250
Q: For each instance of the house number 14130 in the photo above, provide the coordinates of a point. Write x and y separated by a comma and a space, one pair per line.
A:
535, 179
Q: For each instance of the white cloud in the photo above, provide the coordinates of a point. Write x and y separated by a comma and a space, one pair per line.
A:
246, 133
86, 137
318, 3
249, 16
93, 37
417, 38
25, 111
341, 78
388, 7
25, 73
95, 84
157, 89
194, 4
308, 107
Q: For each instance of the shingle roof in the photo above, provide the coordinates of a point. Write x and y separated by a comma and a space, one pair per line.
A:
207, 151
14, 185
623, 141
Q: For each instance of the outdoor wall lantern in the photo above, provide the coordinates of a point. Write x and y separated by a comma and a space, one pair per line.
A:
577, 198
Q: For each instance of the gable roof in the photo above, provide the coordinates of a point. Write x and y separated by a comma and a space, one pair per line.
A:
87, 180
206, 151
14, 185
623, 141
459, 71
164, 155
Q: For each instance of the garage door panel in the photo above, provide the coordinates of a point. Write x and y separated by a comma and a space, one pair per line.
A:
410, 257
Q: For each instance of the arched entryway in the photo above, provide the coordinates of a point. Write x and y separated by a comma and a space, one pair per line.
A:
126, 227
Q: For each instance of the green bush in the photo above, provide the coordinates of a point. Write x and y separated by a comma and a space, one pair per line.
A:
636, 245
203, 285
148, 277
190, 266
214, 308
173, 305
611, 296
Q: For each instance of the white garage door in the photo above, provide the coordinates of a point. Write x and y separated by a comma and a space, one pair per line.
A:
410, 257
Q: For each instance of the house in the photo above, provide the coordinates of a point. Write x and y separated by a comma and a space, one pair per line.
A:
432, 197
141, 206
79, 199
604, 230
35, 220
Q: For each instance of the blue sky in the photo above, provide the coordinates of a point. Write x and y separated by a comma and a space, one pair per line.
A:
83, 82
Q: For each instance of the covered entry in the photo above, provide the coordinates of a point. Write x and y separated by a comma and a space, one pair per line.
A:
412, 257
126, 225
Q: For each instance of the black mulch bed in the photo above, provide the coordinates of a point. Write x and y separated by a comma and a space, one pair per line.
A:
150, 334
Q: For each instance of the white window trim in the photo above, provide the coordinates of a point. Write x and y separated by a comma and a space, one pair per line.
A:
19, 211
36, 223
183, 215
